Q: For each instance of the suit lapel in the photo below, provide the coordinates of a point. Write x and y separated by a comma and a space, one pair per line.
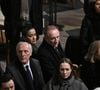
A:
18, 76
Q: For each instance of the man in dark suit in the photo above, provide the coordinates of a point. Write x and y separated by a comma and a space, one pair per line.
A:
19, 13
50, 51
19, 71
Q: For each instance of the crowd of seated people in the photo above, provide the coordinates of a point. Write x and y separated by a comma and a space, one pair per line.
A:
49, 66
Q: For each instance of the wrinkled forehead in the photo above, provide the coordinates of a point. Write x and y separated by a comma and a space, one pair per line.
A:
23, 46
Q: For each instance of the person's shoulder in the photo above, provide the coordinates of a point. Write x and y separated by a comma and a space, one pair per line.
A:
12, 68
12, 64
43, 49
34, 60
80, 84
78, 81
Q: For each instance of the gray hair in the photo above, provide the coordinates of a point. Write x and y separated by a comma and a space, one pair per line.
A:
23, 42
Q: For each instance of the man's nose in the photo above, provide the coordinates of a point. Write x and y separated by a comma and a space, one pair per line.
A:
64, 71
22, 53
9, 89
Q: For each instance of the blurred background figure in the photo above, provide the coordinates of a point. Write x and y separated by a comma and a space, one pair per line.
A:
90, 70
90, 28
6, 82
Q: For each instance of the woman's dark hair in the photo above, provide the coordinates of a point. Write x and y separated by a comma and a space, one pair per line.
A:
26, 29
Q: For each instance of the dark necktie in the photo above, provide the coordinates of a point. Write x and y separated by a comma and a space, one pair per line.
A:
29, 77
57, 51
28, 72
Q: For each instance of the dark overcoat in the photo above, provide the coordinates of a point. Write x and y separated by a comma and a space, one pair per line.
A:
18, 72
49, 59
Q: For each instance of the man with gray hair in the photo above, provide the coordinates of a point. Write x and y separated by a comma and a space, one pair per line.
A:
25, 70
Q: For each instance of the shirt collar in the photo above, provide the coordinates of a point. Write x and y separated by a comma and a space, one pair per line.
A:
26, 64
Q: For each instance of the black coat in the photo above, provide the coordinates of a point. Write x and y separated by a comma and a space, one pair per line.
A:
49, 59
90, 74
19, 74
90, 30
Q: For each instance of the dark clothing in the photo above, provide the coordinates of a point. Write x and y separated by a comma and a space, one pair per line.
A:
72, 49
90, 74
90, 30
87, 6
1, 71
69, 84
21, 82
49, 59
34, 51
13, 23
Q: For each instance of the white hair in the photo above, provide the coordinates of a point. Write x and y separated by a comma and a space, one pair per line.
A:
98, 88
23, 42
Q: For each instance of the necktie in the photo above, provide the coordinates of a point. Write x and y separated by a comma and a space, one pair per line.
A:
57, 51
28, 72
29, 78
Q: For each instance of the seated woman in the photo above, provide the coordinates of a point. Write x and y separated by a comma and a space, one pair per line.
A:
29, 34
65, 78
90, 71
